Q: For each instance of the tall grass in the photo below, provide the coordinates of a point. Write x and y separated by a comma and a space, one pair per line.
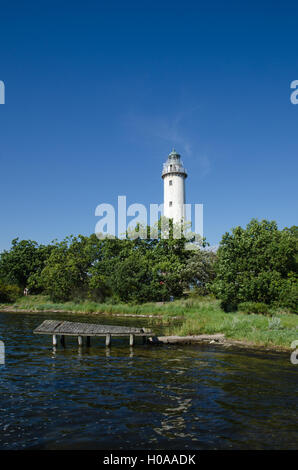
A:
196, 316
171, 309
258, 329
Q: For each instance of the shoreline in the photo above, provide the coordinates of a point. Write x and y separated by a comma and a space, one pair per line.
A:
214, 339
81, 312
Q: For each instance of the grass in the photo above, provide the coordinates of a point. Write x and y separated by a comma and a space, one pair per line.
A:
278, 330
197, 316
41, 302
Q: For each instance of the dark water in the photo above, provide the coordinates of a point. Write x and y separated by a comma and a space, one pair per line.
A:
168, 397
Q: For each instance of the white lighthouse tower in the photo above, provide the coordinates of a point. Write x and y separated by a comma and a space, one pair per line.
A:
173, 175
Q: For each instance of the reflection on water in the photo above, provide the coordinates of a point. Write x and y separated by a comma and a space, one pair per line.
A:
151, 397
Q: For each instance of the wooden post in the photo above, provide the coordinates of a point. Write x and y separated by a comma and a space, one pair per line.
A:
131, 340
108, 340
88, 341
54, 340
144, 339
80, 340
62, 340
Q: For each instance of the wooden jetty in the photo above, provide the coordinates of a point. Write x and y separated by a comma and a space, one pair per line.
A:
66, 328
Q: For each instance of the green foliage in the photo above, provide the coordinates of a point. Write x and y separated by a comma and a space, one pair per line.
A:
9, 293
289, 293
208, 318
199, 271
77, 268
23, 263
254, 307
188, 316
140, 270
66, 273
254, 264
275, 324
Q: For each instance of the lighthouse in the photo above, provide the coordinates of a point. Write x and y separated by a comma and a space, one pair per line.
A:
173, 175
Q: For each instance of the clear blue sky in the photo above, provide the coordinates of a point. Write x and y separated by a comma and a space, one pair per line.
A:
98, 93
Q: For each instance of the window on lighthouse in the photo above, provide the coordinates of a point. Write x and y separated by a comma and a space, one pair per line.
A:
170, 182
170, 203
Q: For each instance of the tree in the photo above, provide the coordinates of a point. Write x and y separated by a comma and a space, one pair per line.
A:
23, 263
254, 264
9, 293
139, 270
199, 270
66, 274
134, 269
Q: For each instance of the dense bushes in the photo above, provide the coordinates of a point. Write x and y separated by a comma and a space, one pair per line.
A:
23, 263
79, 268
9, 293
289, 293
255, 269
257, 264
254, 307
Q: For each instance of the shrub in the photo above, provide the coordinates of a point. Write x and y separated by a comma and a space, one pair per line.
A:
9, 293
275, 324
254, 307
228, 305
289, 294
254, 265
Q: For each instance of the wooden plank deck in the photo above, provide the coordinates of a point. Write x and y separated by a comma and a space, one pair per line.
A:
79, 329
